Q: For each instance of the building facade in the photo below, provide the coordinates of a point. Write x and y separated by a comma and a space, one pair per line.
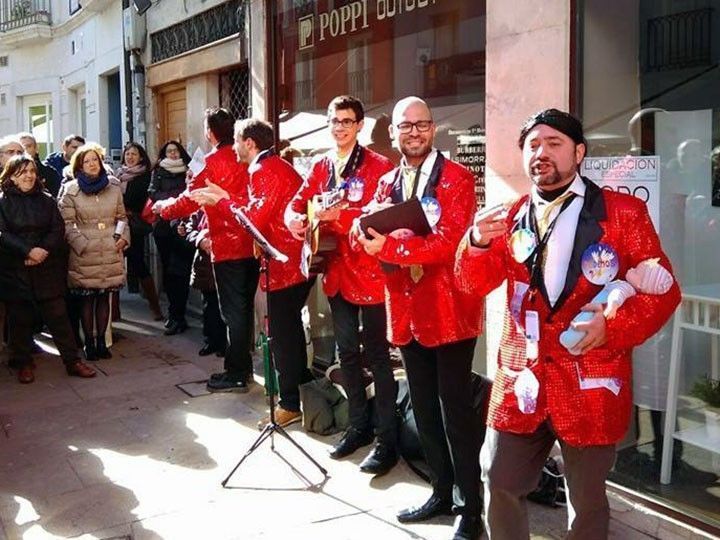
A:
61, 71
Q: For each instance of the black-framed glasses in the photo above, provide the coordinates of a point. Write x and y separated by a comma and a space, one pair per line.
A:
345, 122
421, 125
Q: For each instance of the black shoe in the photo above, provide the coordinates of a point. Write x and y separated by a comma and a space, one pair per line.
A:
227, 383
90, 352
382, 458
220, 353
434, 506
351, 441
175, 327
35, 348
467, 528
206, 350
102, 350
167, 323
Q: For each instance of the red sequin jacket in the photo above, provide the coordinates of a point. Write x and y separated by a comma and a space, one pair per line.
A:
352, 273
579, 417
273, 182
229, 240
433, 310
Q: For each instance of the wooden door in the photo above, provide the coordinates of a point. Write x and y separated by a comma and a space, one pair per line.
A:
173, 114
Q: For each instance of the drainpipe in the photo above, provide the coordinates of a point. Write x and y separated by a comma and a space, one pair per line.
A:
129, 128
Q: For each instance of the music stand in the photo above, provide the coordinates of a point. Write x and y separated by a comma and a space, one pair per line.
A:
268, 253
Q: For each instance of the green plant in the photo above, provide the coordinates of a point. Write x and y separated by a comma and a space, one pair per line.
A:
708, 390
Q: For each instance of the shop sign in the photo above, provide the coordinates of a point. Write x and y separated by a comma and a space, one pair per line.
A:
352, 17
634, 175
470, 152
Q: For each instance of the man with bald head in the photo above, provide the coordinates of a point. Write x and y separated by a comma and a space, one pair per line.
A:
434, 323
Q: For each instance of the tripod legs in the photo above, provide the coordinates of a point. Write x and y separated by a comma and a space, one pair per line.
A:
266, 433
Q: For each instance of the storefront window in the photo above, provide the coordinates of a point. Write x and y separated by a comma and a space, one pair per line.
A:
649, 100
380, 51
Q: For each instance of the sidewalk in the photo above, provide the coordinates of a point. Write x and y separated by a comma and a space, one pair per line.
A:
130, 455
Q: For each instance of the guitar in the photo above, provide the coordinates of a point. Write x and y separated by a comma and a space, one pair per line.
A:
318, 242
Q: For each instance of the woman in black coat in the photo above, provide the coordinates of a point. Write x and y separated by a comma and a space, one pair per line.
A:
168, 181
134, 176
33, 268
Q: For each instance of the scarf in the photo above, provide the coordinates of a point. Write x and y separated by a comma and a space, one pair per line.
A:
174, 166
127, 174
91, 186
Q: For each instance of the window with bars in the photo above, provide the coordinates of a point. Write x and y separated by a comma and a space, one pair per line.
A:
235, 91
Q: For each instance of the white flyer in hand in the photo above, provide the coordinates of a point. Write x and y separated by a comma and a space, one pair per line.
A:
197, 164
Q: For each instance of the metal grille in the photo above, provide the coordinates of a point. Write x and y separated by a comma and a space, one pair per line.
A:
235, 92
679, 41
19, 13
207, 27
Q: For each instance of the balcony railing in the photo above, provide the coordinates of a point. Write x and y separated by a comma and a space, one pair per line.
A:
679, 41
20, 13
360, 85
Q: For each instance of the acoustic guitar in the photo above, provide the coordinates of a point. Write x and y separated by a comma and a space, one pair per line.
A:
319, 243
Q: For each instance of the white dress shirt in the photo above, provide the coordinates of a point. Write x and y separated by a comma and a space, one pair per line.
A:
560, 245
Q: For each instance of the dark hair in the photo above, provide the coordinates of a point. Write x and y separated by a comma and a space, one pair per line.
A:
162, 154
76, 163
258, 130
15, 165
70, 138
221, 123
347, 102
144, 158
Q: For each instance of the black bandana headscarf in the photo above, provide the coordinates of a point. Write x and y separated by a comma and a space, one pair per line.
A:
556, 119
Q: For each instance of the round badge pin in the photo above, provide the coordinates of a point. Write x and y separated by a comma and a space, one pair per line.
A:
431, 207
522, 244
355, 189
600, 264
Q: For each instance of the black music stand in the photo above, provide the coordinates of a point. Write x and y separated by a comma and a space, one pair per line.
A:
268, 253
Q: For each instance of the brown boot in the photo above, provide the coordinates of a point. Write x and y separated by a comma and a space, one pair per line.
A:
150, 292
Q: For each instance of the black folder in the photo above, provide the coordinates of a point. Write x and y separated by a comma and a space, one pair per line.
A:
405, 215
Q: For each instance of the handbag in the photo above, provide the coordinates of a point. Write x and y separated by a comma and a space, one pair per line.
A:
147, 215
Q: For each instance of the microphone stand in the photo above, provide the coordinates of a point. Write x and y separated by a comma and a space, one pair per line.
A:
268, 253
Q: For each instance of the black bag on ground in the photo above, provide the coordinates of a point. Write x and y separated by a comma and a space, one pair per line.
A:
551, 488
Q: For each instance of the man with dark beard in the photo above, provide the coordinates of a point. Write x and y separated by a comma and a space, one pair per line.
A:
433, 322
557, 247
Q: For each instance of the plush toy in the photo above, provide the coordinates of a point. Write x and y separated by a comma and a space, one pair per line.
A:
648, 277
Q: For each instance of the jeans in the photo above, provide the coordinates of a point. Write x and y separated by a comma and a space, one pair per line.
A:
375, 348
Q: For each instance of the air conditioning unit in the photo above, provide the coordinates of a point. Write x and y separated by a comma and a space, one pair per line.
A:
134, 30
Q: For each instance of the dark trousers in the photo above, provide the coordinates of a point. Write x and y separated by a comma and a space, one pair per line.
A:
288, 341
441, 395
214, 329
22, 319
136, 256
236, 282
176, 256
511, 468
346, 323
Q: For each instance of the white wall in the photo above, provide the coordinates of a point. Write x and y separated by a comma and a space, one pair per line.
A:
51, 68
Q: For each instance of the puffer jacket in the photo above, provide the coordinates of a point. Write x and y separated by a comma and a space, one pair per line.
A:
29, 220
90, 222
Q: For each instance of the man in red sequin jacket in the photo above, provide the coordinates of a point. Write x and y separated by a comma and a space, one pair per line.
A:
433, 322
236, 269
353, 283
273, 182
544, 247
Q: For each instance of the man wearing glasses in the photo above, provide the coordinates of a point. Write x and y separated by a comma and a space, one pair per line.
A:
353, 283
434, 323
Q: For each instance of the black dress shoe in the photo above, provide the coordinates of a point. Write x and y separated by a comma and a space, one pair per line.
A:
101, 349
351, 441
176, 327
206, 350
467, 528
382, 458
434, 506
